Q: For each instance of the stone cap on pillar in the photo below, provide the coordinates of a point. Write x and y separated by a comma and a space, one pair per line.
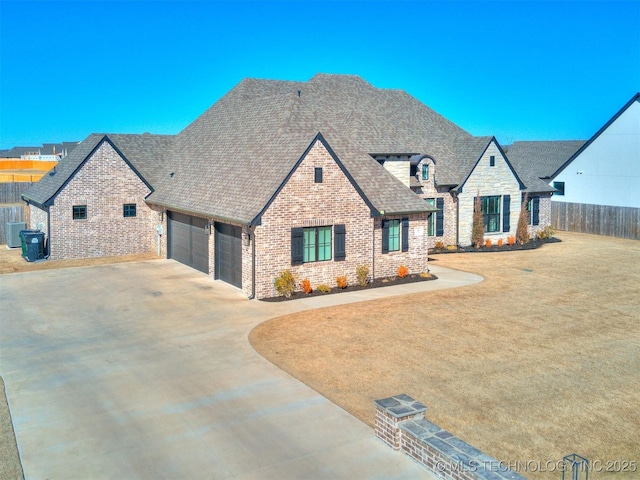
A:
400, 405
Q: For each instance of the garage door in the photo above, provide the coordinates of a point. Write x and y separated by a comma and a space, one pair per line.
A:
229, 253
188, 241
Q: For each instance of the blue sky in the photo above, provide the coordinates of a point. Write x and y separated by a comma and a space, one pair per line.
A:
519, 70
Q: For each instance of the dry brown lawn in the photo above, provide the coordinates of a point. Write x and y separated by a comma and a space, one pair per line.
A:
10, 466
540, 360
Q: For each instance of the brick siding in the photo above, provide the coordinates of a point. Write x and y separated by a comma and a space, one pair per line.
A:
400, 422
38, 220
104, 184
304, 203
430, 190
544, 215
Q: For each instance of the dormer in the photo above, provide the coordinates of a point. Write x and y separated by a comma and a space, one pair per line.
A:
400, 166
426, 169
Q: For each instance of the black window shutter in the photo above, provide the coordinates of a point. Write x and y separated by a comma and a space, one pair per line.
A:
405, 234
297, 246
339, 246
440, 217
385, 236
535, 206
506, 213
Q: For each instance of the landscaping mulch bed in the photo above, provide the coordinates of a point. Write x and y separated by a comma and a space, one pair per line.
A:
380, 282
530, 245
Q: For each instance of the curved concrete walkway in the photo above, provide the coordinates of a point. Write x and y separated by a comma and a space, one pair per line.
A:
144, 370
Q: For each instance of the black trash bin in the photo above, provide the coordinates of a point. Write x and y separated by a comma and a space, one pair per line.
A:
23, 242
34, 245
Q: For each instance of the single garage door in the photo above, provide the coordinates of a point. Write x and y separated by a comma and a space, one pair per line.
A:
229, 254
188, 241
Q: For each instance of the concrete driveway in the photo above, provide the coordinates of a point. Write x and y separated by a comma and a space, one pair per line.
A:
144, 370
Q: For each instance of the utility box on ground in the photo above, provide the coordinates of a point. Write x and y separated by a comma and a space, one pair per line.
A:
13, 233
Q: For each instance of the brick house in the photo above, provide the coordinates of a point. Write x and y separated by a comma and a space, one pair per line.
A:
318, 176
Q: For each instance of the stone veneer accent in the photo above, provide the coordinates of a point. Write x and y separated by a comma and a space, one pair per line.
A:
489, 181
400, 423
401, 169
104, 184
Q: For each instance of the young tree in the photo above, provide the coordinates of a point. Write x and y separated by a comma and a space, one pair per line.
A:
522, 233
477, 230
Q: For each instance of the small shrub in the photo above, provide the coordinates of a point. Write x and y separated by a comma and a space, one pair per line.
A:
546, 233
425, 275
439, 244
487, 242
306, 286
477, 227
452, 248
362, 274
323, 288
522, 232
511, 240
403, 271
285, 283
500, 242
341, 281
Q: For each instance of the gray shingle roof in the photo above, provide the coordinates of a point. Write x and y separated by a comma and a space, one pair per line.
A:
536, 160
542, 158
51, 183
467, 152
147, 154
230, 161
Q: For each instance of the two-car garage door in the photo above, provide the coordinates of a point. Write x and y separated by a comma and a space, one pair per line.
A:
188, 243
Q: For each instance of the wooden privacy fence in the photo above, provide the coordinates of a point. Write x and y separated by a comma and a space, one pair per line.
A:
622, 222
12, 208
10, 192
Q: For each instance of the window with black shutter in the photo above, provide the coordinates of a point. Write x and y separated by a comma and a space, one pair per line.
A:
533, 211
318, 174
297, 246
385, 236
405, 234
440, 217
339, 245
506, 213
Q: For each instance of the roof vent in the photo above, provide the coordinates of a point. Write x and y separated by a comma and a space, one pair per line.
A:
53, 172
299, 92
171, 174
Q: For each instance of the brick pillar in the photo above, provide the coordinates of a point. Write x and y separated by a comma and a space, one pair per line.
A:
392, 411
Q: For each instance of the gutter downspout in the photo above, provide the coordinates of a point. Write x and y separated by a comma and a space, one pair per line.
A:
456, 198
252, 239
46, 257
373, 250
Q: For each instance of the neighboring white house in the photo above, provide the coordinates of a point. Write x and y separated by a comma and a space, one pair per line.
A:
606, 170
